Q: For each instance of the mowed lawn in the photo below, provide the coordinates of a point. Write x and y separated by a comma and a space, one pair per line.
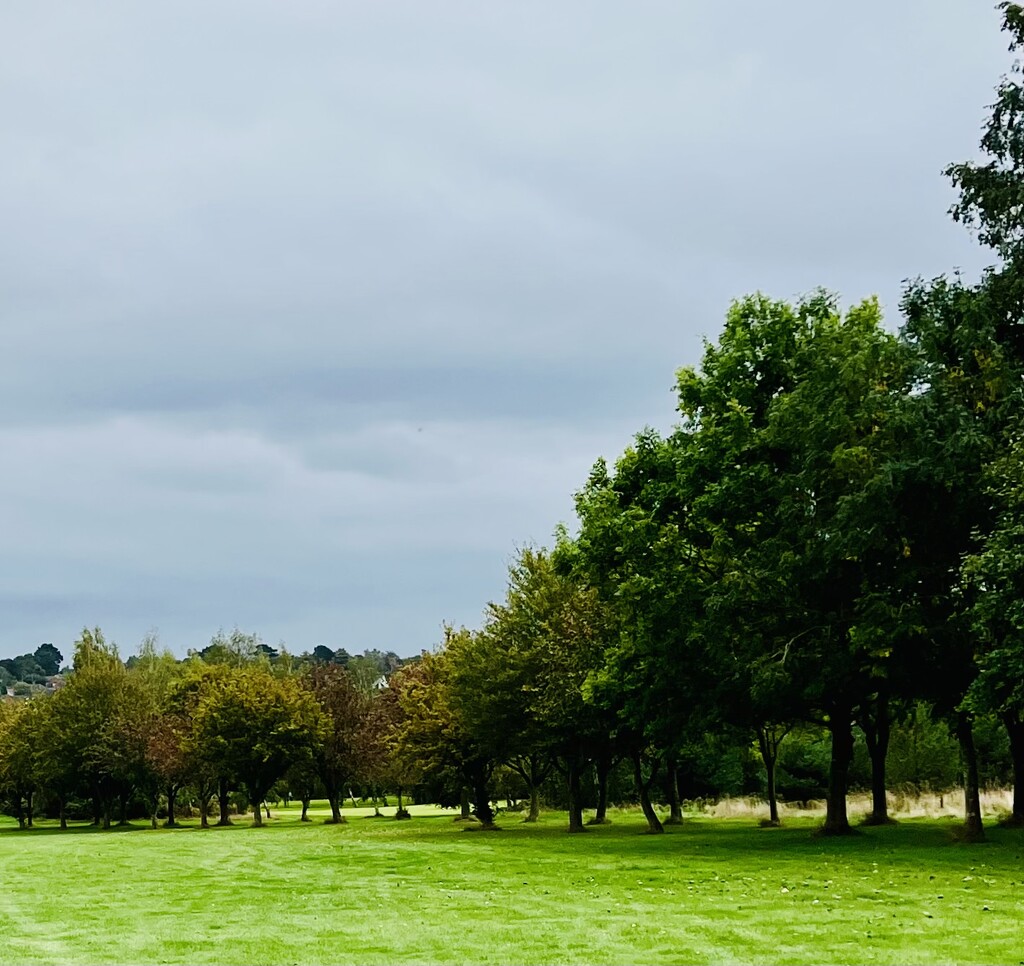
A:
381, 891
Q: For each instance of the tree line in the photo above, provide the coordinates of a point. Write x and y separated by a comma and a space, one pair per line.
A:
236, 717
832, 534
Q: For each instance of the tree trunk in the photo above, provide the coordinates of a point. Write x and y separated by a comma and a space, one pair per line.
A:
465, 806
336, 817
643, 787
534, 813
28, 806
204, 810
532, 774
172, 792
602, 765
837, 821
482, 803
305, 808
19, 811
267, 807
107, 804
97, 811
876, 736
222, 801
575, 769
61, 812
675, 807
769, 738
401, 812
257, 811
1015, 731
973, 830
123, 820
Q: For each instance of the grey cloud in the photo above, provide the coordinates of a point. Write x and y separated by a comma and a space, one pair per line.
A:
310, 312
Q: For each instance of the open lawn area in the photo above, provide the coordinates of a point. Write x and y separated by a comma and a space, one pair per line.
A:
376, 891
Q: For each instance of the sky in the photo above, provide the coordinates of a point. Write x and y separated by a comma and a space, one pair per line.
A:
311, 313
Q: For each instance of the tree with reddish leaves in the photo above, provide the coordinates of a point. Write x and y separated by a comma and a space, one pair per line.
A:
343, 751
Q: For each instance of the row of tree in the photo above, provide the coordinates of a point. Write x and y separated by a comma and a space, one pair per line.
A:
833, 534
154, 727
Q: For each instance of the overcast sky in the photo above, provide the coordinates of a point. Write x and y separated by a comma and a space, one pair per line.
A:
311, 312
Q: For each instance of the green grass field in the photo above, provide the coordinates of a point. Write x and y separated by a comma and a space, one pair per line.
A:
376, 890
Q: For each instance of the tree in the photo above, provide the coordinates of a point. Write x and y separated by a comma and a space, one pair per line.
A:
548, 635
430, 736
49, 659
995, 580
255, 726
96, 735
20, 772
344, 709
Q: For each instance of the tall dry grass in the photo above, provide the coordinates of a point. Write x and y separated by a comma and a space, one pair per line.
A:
995, 803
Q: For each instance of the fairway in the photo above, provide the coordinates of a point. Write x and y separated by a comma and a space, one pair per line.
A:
376, 891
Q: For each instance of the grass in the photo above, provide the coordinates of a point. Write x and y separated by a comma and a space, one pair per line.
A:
375, 890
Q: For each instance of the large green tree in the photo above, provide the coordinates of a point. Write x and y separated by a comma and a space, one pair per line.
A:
255, 725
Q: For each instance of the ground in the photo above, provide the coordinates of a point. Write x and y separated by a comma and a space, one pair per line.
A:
375, 891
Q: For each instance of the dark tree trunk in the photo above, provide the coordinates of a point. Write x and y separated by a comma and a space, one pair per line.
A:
973, 830
482, 803
267, 807
19, 811
257, 810
172, 793
602, 766
675, 807
532, 773
1015, 731
401, 812
643, 787
837, 820
204, 810
574, 773
29, 795
124, 796
222, 802
107, 805
769, 738
336, 816
61, 812
97, 810
876, 736
465, 806
305, 808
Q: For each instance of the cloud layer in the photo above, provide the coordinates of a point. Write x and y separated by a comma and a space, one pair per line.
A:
312, 312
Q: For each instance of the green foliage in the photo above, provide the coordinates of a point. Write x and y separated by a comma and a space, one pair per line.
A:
254, 726
48, 658
922, 753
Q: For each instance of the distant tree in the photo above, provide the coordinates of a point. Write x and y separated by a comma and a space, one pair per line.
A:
343, 707
235, 649
431, 738
49, 659
20, 772
98, 729
256, 726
